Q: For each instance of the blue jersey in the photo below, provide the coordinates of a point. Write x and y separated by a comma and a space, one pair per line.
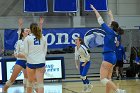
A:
119, 38
120, 53
137, 59
109, 39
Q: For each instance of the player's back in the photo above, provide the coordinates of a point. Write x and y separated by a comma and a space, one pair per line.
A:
36, 49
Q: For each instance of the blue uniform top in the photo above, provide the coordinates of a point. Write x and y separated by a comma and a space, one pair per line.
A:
119, 38
120, 53
137, 59
109, 39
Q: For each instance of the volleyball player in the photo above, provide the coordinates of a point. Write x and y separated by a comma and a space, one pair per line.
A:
83, 56
20, 62
20, 23
35, 50
109, 56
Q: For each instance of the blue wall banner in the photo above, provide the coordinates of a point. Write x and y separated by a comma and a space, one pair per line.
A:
100, 5
65, 5
61, 37
10, 38
35, 5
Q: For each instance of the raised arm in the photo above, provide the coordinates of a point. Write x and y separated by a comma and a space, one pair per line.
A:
96, 12
101, 22
98, 16
110, 16
20, 25
45, 46
41, 21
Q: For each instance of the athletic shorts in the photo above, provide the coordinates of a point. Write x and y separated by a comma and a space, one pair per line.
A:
84, 69
110, 57
119, 63
35, 66
21, 63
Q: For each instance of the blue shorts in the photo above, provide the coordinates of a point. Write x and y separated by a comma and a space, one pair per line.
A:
35, 66
110, 57
21, 63
84, 69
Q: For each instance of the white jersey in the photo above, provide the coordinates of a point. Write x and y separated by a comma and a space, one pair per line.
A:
19, 48
82, 54
35, 50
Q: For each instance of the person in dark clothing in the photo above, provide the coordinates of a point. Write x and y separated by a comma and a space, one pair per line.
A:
121, 58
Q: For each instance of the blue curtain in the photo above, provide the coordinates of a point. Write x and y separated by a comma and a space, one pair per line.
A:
65, 5
35, 5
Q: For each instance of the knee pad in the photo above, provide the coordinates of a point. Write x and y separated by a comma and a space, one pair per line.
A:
24, 81
104, 81
83, 77
9, 83
29, 84
39, 85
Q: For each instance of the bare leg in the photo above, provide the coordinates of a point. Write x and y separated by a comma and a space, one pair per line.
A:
108, 90
30, 83
16, 71
25, 79
40, 79
117, 72
104, 72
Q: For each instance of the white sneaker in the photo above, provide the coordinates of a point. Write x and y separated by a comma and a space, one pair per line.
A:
123, 91
89, 87
85, 88
120, 91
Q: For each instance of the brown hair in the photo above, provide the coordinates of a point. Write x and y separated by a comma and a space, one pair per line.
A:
116, 28
36, 30
81, 41
21, 34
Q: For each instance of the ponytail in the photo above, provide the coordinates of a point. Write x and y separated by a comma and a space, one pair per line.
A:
120, 31
116, 28
36, 30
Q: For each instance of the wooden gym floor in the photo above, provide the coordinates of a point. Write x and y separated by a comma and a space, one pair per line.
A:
75, 86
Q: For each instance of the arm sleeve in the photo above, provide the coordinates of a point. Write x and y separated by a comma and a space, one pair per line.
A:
100, 20
107, 29
26, 46
84, 54
17, 47
76, 55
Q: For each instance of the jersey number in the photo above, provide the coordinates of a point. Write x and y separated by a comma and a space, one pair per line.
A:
36, 41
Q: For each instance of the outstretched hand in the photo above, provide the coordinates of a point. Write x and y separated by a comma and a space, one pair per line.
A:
41, 20
91, 6
20, 22
110, 12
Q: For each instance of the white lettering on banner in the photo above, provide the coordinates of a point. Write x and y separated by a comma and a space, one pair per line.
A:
60, 35
52, 38
74, 36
